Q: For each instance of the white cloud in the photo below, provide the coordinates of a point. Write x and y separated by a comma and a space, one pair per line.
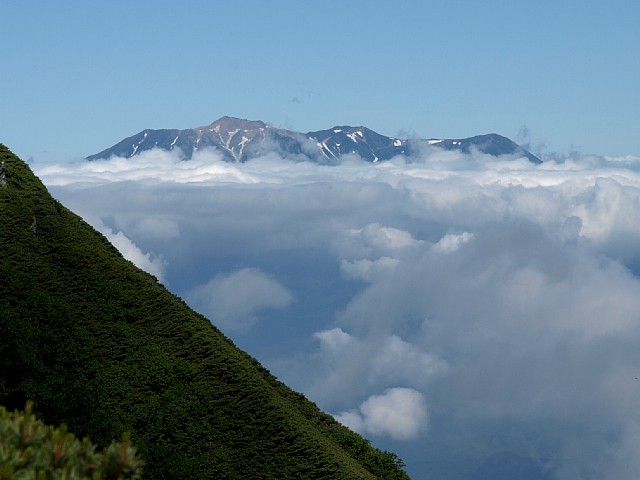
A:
355, 365
384, 238
450, 243
374, 240
233, 301
505, 295
151, 166
149, 262
400, 413
334, 340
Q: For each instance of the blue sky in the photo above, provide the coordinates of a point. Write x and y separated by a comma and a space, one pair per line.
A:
84, 75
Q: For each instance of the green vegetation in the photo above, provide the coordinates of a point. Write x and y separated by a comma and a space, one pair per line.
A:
102, 347
29, 449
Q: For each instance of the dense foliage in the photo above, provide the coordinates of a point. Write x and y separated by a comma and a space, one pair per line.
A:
31, 450
102, 347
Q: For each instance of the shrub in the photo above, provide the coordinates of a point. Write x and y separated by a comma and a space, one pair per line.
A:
31, 450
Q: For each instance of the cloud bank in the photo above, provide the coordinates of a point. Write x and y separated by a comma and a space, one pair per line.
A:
449, 306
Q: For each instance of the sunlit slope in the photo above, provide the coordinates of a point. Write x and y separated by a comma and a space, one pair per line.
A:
103, 347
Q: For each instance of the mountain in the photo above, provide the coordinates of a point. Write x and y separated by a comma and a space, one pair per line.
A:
369, 145
491, 144
237, 139
102, 347
240, 140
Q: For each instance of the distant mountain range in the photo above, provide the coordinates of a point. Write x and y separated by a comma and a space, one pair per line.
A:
241, 140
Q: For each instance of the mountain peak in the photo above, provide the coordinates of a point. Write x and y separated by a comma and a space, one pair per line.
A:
227, 123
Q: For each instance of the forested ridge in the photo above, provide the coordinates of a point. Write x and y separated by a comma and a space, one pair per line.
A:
101, 346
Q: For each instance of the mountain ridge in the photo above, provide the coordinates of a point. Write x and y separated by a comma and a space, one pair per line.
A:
240, 140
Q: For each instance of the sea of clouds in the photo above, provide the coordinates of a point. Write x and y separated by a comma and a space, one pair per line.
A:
477, 315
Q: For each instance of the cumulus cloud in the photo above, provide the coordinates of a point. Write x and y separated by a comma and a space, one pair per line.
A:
233, 301
450, 243
356, 365
384, 238
400, 413
505, 296
149, 262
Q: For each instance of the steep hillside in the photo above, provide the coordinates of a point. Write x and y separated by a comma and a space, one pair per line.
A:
103, 347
